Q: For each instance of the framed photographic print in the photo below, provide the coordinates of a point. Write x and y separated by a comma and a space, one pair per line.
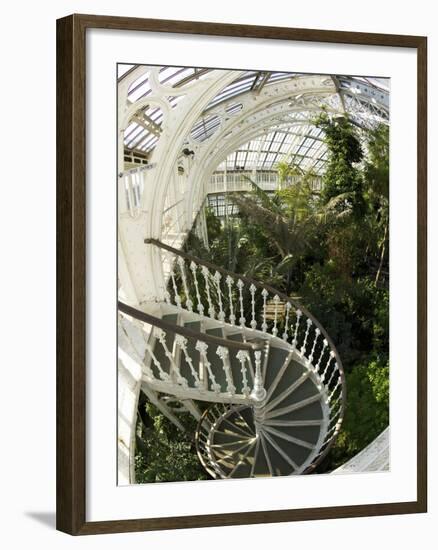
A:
241, 288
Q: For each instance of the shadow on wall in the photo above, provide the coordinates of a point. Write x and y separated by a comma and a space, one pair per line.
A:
45, 518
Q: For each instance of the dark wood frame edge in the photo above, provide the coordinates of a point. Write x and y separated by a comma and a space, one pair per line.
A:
71, 256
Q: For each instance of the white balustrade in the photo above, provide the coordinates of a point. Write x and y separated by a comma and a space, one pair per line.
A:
286, 322
335, 370
182, 268
161, 335
252, 290
265, 294
324, 347
202, 348
163, 375
306, 336
258, 393
315, 341
243, 357
276, 301
200, 307
176, 295
217, 279
181, 341
230, 281
223, 353
329, 360
206, 274
299, 313
240, 285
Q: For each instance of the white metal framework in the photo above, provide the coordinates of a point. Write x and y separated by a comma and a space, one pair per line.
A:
186, 134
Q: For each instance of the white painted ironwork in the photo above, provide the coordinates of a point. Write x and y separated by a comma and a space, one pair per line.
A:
223, 353
200, 307
202, 348
252, 290
206, 273
230, 281
181, 341
240, 285
243, 358
182, 268
217, 279
265, 294
286, 322
276, 301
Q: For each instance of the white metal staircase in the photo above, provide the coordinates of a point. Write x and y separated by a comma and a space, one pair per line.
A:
270, 372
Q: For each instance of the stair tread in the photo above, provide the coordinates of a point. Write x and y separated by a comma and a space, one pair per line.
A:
276, 360
297, 453
305, 390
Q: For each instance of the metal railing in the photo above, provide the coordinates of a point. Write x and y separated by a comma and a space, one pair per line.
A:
231, 182
199, 286
200, 378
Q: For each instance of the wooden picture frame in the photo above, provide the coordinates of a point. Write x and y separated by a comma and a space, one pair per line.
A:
71, 273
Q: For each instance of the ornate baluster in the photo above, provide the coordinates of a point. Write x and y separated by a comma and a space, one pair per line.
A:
163, 375
324, 346
182, 268
199, 307
315, 340
329, 360
217, 280
258, 392
295, 340
202, 348
181, 341
330, 397
242, 319
206, 275
306, 336
242, 356
265, 294
223, 353
276, 300
252, 290
161, 335
230, 281
177, 297
335, 370
286, 322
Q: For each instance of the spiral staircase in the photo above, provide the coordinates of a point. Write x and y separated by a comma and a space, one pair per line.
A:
269, 377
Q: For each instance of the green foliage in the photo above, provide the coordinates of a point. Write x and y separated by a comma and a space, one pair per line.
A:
329, 249
367, 414
165, 453
342, 176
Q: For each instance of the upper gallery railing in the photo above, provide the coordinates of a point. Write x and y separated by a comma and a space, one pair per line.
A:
229, 182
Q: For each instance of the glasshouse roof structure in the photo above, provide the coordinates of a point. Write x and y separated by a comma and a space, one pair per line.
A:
288, 134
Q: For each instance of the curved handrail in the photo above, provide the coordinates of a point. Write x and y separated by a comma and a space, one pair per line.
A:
284, 297
188, 333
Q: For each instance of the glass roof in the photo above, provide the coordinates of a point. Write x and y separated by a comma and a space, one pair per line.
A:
291, 137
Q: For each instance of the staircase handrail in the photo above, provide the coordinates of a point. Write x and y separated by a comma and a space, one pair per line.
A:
256, 345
